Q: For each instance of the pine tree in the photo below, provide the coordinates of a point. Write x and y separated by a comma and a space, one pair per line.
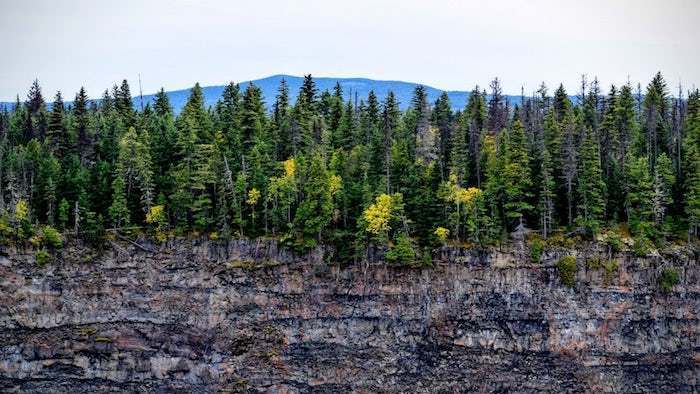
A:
497, 110
124, 105
281, 121
252, 117
316, 207
475, 120
82, 124
640, 192
664, 179
390, 123
309, 91
516, 174
569, 164
35, 123
424, 149
442, 118
547, 194
56, 133
118, 211
655, 113
591, 187
692, 171
460, 158
161, 104
194, 115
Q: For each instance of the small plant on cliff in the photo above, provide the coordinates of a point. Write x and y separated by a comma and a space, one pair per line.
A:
536, 249
669, 277
52, 237
42, 258
610, 268
567, 270
642, 246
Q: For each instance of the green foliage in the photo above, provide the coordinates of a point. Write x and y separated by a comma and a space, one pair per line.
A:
402, 252
536, 249
52, 237
669, 277
642, 246
610, 268
349, 174
567, 270
591, 187
613, 239
42, 257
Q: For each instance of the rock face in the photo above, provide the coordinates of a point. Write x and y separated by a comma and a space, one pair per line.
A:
207, 316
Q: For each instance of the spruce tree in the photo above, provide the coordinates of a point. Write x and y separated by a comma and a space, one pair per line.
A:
56, 134
82, 124
591, 187
516, 175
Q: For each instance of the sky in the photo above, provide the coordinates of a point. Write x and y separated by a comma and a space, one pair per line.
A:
451, 45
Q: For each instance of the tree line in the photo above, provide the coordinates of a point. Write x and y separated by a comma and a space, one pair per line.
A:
351, 174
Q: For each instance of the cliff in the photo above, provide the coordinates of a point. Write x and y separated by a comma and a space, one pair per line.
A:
202, 316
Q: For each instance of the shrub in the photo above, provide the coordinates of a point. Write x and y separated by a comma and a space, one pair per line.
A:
426, 258
642, 246
669, 277
52, 237
42, 257
610, 268
593, 263
6, 231
567, 270
536, 249
613, 240
402, 252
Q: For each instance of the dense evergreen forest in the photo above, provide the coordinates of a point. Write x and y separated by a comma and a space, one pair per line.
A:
618, 166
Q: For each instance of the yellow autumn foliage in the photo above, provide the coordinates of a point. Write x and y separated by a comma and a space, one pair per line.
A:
335, 183
21, 210
290, 167
378, 214
442, 233
253, 196
155, 215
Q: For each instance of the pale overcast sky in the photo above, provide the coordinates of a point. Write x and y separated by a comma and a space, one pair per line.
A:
450, 45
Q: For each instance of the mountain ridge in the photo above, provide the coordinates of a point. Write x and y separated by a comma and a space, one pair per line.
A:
352, 86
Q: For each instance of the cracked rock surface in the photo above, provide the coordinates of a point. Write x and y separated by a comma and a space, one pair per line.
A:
249, 316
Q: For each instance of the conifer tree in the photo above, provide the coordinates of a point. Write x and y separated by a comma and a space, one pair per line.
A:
664, 179
591, 187
639, 192
516, 174
35, 123
82, 124
56, 133
460, 158
281, 121
119, 211
390, 123
547, 194
497, 110
442, 118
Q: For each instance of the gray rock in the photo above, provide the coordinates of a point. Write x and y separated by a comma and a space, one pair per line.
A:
250, 316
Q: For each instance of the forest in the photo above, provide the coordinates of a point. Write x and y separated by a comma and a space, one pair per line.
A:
621, 166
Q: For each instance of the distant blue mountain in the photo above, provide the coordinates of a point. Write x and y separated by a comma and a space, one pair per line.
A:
351, 87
